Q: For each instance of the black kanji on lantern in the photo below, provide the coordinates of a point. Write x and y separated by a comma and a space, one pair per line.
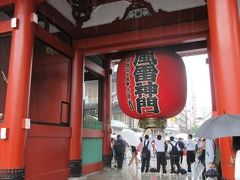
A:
152, 102
146, 72
150, 89
128, 90
141, 102
145, 57
146, 87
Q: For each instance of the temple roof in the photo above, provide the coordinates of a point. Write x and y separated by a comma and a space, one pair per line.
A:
103, 12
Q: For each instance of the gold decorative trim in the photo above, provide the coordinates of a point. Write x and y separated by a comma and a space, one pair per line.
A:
152, 123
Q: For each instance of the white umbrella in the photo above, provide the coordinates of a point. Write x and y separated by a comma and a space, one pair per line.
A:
130, 137
184, 136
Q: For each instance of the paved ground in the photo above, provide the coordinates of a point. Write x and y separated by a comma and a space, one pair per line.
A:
131, 174
134, 173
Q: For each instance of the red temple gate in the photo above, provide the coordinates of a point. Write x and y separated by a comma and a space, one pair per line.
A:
26, 152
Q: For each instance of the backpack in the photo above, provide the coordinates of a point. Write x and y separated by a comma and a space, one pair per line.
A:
174, 152
196, 147
181, 145
201, 157
119, 147
153, 170
182, 171
145, 150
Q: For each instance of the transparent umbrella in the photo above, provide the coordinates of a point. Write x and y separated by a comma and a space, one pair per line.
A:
130, 137
184, 136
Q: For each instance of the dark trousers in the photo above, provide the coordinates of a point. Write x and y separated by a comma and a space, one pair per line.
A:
174, 160
120, 157
161, 160
190, 159
145, 163
181, 157
203, 173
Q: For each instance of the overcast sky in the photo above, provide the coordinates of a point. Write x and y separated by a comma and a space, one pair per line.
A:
198, 80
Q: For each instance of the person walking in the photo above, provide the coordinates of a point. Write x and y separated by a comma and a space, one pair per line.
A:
173, 149
236, 158
146, 154
209, 157
182, 146
161, 157
134, 156
190, 146
119, 148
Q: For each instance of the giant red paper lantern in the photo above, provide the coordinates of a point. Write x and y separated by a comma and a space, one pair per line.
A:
151, 84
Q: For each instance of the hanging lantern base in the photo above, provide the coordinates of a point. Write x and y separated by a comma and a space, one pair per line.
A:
152, 123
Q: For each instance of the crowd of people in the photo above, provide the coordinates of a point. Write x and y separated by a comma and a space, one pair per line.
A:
201, 151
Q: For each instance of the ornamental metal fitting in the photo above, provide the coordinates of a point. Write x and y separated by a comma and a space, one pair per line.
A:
152, 123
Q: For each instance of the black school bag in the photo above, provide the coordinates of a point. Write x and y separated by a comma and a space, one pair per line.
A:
181, 145
201, 157
174, 152
182, 171
145, 150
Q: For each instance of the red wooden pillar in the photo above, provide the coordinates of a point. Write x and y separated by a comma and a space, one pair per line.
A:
225, 50
17, 97
107, 114
77, 114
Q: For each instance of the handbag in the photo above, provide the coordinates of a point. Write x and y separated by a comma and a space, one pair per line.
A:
211, 173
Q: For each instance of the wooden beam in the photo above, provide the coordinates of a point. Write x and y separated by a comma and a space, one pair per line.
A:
183, 49
9, 2
57, 18
5, 27
44, 131
92, 133
53, 41
6, 2
192, 48
94, 68
157, 19
99, 2
40, 1
153, 37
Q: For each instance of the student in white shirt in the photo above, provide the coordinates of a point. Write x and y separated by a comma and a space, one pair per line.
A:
146, 154
190, 146
209, 153
236, 147
160, 147
173, 149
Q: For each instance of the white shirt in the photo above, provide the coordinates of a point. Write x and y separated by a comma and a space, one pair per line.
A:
209, 148
159, 145
169, 149
237, 166
190, 145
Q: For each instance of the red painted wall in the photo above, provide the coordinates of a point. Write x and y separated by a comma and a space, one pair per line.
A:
50, 86
48, 146
93, 167
47, 153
